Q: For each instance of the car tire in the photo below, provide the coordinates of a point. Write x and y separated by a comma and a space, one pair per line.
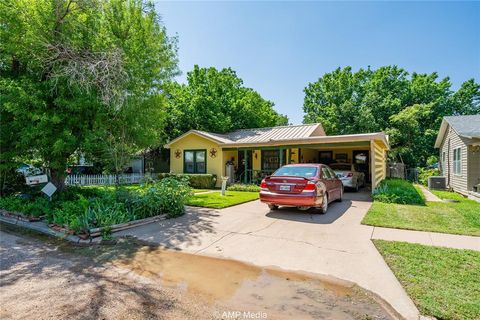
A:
324, 208
273, 207
357, 187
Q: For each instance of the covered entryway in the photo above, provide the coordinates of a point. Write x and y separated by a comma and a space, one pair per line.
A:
368, 155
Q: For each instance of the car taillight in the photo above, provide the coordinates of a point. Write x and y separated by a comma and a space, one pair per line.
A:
310, 186
263, 185
350, 174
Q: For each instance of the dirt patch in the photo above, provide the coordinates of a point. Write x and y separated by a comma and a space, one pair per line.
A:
43, 278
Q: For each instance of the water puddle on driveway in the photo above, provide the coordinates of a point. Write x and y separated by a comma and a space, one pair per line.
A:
237, 288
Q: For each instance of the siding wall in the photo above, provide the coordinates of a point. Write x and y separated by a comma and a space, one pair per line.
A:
378, 163
473, 166
458, 182
194, 142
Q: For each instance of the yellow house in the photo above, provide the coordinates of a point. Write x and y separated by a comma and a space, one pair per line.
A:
255, 153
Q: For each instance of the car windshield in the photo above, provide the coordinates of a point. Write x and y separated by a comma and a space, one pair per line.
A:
341, 166
300, 171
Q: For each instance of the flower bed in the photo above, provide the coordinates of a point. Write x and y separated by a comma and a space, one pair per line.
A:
79, 210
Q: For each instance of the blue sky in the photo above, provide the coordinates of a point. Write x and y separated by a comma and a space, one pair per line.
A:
277, 48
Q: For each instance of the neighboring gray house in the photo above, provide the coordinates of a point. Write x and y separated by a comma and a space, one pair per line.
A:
459, 143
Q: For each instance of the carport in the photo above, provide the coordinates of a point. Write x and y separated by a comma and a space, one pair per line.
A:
255, 153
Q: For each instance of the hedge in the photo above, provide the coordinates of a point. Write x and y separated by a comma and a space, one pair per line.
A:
198, 181
244, 187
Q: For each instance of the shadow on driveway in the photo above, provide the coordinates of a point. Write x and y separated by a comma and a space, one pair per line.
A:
335, 210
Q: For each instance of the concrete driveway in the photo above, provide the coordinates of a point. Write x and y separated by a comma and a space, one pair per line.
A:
334, 244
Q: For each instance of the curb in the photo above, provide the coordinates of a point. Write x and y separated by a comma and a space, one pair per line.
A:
42, 227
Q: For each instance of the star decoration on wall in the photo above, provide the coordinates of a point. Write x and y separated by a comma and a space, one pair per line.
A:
178, 153
213, 153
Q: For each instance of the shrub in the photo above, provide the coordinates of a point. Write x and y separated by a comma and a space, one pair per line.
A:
199, 181
12, 182
170, 195
71, 193
244, 187
397, 191
12, 203
69, 214
34, 207
104, 213
40, 206
425, 173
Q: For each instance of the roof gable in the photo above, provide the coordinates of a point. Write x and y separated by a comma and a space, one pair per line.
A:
464, 126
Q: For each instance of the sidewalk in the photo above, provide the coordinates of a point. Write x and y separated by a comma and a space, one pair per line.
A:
428, 195
427, 238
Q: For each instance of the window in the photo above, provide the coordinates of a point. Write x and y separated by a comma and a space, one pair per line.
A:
271, 159
325, 157
457, 161
195, 161
326, 173
341, 166
307, 172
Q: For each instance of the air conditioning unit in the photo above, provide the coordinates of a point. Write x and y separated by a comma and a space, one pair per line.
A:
437, 183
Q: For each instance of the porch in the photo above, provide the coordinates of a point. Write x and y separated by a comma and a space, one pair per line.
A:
252, 164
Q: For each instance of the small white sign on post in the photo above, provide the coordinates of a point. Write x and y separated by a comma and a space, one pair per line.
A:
224, 185
49, 189
34, 180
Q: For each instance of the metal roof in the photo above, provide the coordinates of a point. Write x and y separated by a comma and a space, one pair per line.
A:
464, 126
260, 135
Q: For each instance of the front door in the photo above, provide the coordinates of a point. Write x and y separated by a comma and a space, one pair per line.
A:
362, 159
244, 164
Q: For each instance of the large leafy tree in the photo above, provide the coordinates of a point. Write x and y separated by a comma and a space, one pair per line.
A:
216, 100
81, 76
408, 108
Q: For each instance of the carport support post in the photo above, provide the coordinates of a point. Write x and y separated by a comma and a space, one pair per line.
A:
281, 157
246, 165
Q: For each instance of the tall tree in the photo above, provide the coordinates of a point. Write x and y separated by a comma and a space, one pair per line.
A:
409, 108
216, 100
94, 69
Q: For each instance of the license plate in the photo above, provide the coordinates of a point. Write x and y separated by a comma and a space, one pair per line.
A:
284, 188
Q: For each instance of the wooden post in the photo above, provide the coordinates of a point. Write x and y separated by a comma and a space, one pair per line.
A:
372, 163
281, 157
245, 179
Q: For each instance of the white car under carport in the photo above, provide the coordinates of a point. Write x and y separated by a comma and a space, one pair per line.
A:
350, 177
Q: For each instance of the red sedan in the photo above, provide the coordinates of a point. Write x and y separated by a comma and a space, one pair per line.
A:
303, 186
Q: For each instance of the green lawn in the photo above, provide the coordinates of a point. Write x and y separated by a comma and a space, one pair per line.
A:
443, 283
217, 201
455, 218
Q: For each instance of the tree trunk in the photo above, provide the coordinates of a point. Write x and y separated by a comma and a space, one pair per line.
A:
58, 179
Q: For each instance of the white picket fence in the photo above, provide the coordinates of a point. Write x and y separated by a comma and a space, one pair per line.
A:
104, 179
